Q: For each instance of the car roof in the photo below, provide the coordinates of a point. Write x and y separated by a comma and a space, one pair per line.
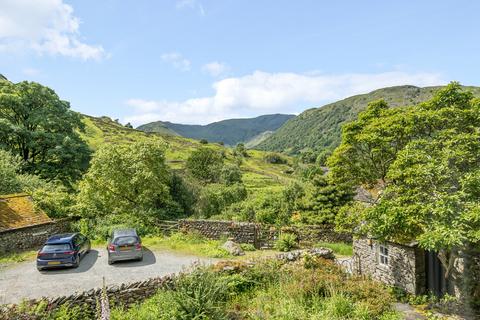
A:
124, 232
61, 238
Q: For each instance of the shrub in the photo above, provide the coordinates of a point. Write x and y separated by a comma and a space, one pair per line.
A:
230, 174
247, 247
275, 158
200, 295
203, 141
286, 242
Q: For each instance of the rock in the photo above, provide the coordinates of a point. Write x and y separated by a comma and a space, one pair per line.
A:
297, 254
233, 248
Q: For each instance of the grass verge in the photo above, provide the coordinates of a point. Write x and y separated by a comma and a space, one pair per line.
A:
339, 248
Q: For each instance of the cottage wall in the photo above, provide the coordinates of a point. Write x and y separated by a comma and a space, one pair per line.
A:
405, 269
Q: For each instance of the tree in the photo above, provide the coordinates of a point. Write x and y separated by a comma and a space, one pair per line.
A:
205, 164
240, 150
9, 168
129, 125
230, 174
426, 158
128, 180
42, 130
323, 199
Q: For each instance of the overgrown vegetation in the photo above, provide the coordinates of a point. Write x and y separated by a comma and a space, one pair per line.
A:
423, 161
310, 289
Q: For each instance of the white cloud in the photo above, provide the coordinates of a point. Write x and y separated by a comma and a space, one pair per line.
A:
176, 60
191, 4
263, 92
215, 68
45, 26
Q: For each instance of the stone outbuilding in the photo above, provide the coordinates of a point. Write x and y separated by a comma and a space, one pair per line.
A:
418, 271
22, 225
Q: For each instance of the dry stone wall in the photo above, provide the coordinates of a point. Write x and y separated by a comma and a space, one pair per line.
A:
31, 237
261, 235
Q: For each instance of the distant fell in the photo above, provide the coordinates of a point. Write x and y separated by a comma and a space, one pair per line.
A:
318, 129
230, 132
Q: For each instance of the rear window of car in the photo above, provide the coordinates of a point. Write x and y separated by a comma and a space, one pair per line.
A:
125, 241
56, 247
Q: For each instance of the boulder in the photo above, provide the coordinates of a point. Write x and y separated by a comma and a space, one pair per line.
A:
233, 248
297, 254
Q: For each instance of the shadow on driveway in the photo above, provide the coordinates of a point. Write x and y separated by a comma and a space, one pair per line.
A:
148, 259
86, 264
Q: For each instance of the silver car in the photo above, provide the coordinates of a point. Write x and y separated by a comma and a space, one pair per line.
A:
124, 244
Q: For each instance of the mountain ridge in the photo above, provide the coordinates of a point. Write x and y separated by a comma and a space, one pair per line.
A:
229, 131
319, 128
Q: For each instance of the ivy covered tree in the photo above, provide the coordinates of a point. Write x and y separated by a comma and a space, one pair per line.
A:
424, 163
42, 130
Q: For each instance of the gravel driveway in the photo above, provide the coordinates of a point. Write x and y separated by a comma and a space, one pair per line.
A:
22, 280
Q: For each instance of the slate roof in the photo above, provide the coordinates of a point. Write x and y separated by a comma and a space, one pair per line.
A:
18, 211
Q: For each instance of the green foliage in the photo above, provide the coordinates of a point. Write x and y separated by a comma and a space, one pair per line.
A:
205, 164
230, 131
247, 247
320, 128
322, 201
42, 130
41, 310
9, 168
286, 242
203, 141
267, 290
215, 198
240, 150
128, 180
230, 174
275, 158
425, 158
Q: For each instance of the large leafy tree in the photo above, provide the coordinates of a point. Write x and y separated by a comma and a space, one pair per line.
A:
205, 164
424, 163
129, 180
42, 130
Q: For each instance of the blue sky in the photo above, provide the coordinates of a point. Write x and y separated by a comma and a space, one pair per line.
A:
197, 61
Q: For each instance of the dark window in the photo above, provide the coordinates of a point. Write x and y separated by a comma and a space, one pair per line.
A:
56, 247
126, 241
383, 255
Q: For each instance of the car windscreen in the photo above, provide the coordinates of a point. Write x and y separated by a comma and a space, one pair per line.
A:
126, 241
56, 247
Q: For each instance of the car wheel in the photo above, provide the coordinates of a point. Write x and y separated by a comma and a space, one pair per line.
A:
77, 262
110, 262
140, 259
39, 269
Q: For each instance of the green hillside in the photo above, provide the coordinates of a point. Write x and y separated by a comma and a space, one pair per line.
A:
320, 128
259, 138
230, 131
258, 175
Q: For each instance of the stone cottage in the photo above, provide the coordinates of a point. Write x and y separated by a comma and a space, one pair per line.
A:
417, 271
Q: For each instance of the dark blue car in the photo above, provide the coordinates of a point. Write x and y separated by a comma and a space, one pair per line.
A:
63, 250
